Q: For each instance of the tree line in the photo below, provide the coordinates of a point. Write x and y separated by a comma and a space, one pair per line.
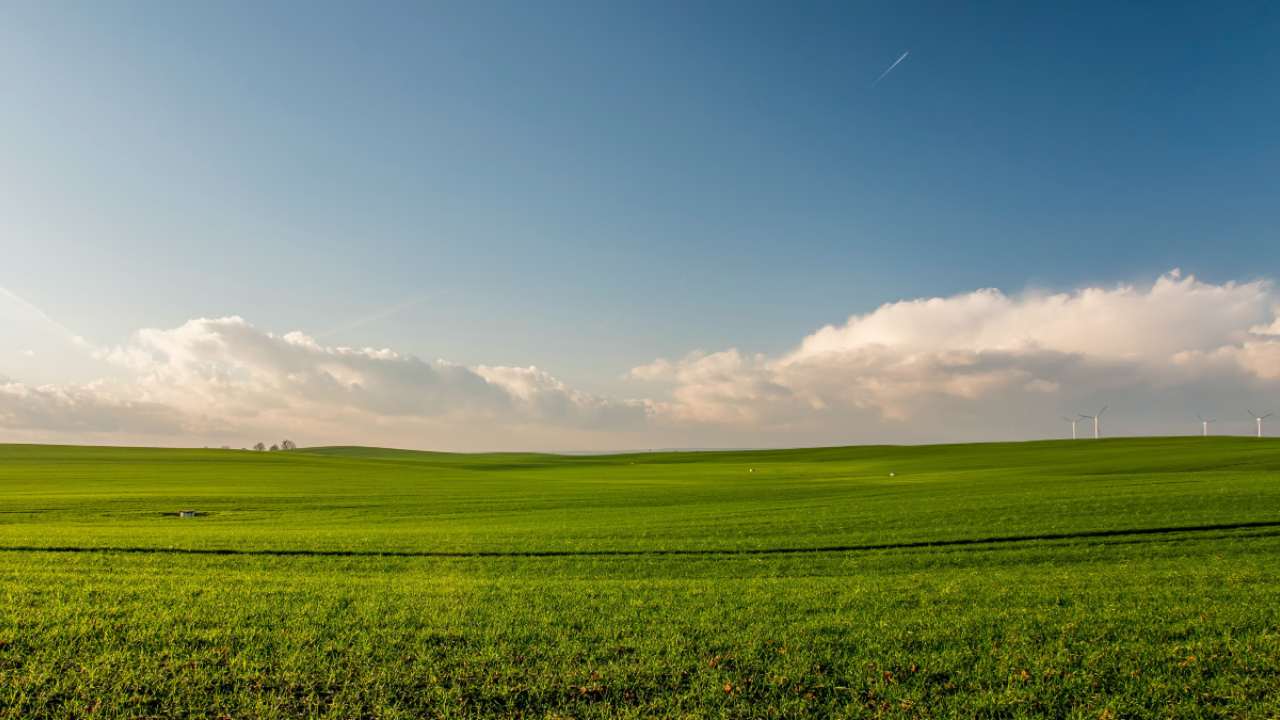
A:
284, 445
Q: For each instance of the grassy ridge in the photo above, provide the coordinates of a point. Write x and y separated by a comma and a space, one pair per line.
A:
1105, 579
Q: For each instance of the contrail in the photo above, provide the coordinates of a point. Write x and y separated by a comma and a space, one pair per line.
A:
374, 317
891, 67
73, 337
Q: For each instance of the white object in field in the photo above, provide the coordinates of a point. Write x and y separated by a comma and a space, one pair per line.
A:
1074, 422
1204, 424
1094, 418
186, 513
892, 474
751, 470
1259, 419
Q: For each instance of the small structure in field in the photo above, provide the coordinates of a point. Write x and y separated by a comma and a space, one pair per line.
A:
186, 513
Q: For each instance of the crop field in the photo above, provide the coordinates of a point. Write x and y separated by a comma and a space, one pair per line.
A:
1125, 578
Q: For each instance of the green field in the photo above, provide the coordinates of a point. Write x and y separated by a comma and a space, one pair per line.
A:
1093, 579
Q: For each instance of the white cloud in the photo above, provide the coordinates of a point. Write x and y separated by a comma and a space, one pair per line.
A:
1151, 323
543, 398
989, 357
979, 365
91, 409
224, 376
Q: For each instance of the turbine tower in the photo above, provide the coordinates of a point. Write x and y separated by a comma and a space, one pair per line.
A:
1204, 424
1259, 418
1094, 418
1074, 422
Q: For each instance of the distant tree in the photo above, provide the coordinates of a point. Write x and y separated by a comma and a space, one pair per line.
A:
259, 447
288, 445
275, 448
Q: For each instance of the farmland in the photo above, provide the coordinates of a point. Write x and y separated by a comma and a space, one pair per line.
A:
1116, 578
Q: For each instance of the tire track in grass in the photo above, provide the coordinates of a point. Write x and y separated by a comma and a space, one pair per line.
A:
833, 549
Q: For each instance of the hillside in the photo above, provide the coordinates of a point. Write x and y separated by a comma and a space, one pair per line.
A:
1115, 578
404, 501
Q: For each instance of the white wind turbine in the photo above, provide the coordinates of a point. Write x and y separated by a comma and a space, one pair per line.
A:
1074, 422
1204, 424
1094, 418
1259, 418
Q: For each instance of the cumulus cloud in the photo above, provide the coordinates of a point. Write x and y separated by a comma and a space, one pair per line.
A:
985, 353
231, 366
978, 365
223, 376
1175, 313
94, 408
542, 397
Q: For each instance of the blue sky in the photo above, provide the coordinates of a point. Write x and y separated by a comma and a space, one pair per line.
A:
586, 187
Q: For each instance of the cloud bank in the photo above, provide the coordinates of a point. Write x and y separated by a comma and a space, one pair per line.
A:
990, 362
225, 378
978, 365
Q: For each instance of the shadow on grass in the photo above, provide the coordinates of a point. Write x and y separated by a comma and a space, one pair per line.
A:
999, 540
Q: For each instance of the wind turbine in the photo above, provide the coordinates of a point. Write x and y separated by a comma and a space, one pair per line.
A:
1204, 424
1094, 418
1074, 422
1259, 419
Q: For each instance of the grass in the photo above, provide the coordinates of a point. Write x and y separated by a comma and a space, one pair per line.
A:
1109, 579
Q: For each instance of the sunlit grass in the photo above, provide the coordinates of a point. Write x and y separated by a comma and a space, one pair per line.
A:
647, 585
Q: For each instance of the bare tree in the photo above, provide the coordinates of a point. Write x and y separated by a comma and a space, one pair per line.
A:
288, 445
259, 447
275, 448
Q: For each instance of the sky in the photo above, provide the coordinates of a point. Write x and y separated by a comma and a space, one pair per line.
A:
606, 226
